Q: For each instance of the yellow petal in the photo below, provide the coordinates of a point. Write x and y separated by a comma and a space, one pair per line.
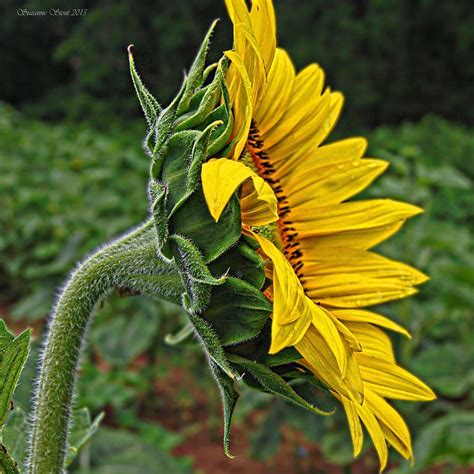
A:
252, 59
302, 131
320, 359
262, 17
278, 92
331, 184
355, 426
326, 325
349, 278
304, 102
258, 203
315, 220
355, 225
309, 80
238, 11
361, 315
360, 239
288, 335
373, 340
389, 380
333, 154
293, 311
242, 103
344, 331
220, 179
375, 432
289, 299
310, 132
393, 426
376, 428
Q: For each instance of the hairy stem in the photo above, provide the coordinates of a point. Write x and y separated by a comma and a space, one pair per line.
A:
128, 262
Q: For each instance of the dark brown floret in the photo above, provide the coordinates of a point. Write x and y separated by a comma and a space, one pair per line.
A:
288, 234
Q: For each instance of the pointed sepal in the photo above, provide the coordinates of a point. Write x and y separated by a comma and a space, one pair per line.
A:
209, 340
158, 193
195, 275
229, 399
196, 73
273, 383
150, 106
238, 311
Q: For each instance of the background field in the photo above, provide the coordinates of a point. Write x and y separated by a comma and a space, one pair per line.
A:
72, 173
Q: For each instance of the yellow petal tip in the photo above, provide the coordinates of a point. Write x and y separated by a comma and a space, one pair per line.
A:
215, 213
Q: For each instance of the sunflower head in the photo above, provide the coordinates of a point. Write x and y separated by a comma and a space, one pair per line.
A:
221, 267
253, 207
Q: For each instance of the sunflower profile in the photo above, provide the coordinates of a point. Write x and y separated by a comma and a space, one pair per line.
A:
294, 193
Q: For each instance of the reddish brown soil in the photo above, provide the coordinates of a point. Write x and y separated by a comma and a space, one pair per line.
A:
205, 444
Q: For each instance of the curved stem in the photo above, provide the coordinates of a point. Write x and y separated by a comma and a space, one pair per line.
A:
129, 262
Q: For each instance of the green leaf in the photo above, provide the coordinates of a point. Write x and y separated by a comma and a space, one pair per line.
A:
192, 262
180, 336
257, 349
229, 399
445, 176
298, 375
238, 311
14, 435
448, 439
337, 447
286, 356
273, 383
223, 113
5, 336
7, 465
182, 166
151, 107
81, 431
13, 358
220, 135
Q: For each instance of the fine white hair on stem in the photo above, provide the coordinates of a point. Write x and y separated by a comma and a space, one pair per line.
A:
130, 261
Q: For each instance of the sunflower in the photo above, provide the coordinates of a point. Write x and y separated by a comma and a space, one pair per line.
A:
294, 195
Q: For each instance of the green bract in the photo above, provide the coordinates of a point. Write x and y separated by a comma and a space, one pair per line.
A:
221, 272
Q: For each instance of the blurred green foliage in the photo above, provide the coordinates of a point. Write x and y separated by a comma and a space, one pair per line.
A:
65, 189
69, 187
393, 59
